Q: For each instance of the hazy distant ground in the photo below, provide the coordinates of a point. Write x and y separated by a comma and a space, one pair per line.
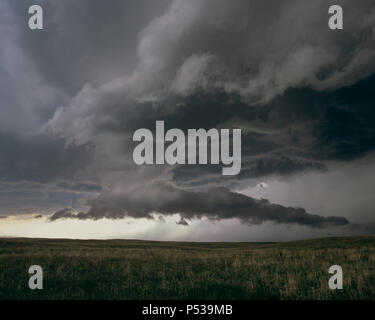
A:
127, 269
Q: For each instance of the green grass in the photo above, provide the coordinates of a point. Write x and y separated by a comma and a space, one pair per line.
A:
131, 269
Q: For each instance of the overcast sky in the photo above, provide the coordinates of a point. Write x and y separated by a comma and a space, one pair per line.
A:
72, 95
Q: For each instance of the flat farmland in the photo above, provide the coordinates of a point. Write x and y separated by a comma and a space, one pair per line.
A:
133, 269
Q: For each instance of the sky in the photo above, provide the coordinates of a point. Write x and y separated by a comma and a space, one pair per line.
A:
73, 94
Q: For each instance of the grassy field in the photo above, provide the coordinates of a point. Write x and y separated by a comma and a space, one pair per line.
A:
130, 269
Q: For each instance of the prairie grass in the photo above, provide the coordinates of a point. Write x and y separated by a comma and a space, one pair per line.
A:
131, 269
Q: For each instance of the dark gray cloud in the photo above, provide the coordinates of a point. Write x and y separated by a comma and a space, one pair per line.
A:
79, 186
64, 213
241, 48
40, 158
297, 132
290, 105
288, 90
215, 204
83, 41
24, 197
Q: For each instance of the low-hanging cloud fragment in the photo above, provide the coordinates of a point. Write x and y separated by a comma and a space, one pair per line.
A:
182, 222
215, 204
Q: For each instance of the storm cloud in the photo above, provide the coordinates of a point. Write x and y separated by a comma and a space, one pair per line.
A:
215, 204
73, 94
299, 93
